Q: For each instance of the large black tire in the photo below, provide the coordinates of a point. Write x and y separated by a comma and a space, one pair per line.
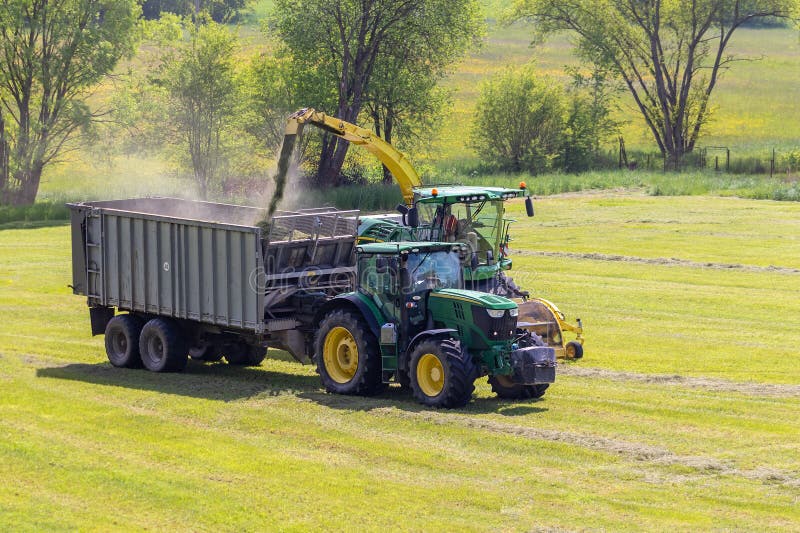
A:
348, 356
243, 354
574, 350
205, 351
442, 374
162, 346
122, 341
508, 390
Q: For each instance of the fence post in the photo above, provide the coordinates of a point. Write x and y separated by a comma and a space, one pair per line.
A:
772, 164
727, 160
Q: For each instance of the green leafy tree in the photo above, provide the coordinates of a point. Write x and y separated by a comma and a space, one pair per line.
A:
591, 101
52, 52
200, 82
669, 53
219, 10
346, 42
519, 122
404, 99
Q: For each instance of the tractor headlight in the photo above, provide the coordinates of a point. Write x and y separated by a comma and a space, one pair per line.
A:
496, 313
514, 312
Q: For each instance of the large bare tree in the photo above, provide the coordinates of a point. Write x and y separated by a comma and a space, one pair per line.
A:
669, 53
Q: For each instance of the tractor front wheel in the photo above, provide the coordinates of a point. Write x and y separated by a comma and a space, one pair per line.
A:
505, 388
442, 374
348, 356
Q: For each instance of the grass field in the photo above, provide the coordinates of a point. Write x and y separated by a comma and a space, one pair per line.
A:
682, 415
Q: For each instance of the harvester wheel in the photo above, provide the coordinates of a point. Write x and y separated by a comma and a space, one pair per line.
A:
574, 350
348, 356
442, 374
122, 341
505, 388
162, 346
243, 354
205, 351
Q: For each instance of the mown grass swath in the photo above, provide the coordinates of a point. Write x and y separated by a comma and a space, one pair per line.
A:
681, 415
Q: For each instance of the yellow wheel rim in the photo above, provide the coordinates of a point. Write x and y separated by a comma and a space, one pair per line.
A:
430, 374
340, 355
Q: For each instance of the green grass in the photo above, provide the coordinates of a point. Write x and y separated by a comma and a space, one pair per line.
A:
89, 447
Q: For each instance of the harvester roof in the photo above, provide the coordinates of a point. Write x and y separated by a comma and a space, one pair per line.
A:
394, 248
464, 193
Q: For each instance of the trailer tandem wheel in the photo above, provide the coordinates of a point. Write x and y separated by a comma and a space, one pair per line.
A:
162, 346
122, 341
243, 354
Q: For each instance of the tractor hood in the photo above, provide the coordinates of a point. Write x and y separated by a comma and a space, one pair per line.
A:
488, 301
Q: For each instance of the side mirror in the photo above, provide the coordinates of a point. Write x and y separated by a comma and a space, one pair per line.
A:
402, 209
413, 217
381, 265
529, 206
474, 261
489, 257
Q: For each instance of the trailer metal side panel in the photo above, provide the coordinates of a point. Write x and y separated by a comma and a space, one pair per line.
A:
190, 269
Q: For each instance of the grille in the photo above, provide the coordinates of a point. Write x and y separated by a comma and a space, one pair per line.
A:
501, 329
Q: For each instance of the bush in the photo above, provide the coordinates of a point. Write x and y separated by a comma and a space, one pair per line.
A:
519, 123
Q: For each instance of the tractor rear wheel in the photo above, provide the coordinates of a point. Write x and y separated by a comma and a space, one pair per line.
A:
348, 356
505, 388
442, 374
122, 341
162, 346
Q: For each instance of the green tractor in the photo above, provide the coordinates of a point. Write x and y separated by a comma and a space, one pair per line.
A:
410, 320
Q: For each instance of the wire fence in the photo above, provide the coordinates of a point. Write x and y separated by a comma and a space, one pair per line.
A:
718, 158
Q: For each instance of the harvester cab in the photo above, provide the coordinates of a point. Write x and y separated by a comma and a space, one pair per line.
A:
411, 320
473, 216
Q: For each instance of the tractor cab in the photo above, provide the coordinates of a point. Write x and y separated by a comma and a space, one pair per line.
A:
399, 277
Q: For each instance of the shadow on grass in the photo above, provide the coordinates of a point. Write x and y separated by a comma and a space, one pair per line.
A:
208, 381
397, 398
222, 382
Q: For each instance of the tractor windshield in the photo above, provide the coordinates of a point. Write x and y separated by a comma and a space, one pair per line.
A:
434, 270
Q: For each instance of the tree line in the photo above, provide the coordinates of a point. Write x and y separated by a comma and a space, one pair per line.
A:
219, 110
